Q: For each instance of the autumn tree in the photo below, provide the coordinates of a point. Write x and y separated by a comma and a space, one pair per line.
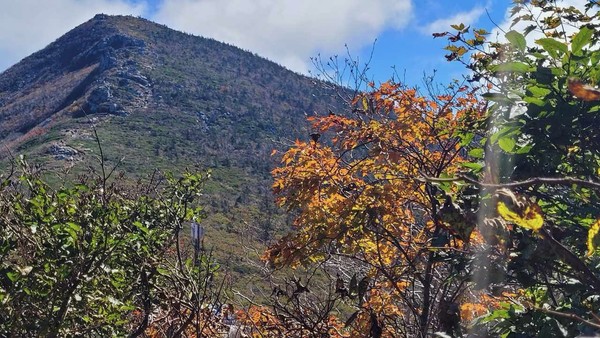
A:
359, 192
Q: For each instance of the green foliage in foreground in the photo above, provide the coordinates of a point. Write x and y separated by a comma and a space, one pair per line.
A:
540, 146
84, 259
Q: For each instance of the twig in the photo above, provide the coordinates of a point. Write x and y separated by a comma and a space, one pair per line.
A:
518, 184
571, 316
494, 22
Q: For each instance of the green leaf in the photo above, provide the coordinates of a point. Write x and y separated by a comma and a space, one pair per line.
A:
496, 97
538, 91
517, 40
595, 57
163, 272
582, 38
72, 233
74, 226
140, 226
466, 138
506, 131
82, 187
513, 67
477, 167
13, 276
477, 153
507, 144
524, 149
552, 46
534, 100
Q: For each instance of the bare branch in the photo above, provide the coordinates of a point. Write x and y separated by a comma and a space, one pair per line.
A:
519, 184
571, 316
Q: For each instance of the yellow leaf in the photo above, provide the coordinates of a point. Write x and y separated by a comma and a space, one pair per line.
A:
530, 219
592, 233
365, 104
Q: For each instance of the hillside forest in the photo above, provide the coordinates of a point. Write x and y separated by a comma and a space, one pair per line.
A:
467, 209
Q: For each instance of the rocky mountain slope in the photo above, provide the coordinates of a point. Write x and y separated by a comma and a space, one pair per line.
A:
161, 99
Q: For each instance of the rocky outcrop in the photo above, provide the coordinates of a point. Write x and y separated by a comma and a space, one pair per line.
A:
119, 80
60, 151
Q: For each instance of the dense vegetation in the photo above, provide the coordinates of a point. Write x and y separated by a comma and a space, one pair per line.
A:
82, 259
468, 210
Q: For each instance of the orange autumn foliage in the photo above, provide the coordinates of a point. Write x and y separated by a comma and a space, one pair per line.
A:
361, 191
262, 322
479, 303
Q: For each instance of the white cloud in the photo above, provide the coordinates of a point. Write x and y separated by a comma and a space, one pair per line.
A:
29, 25
288, 31
443, 25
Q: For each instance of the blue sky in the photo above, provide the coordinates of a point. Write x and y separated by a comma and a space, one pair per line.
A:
288, 32
413, 52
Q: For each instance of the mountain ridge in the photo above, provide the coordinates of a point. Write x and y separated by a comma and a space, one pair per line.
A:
158, 98
117, 64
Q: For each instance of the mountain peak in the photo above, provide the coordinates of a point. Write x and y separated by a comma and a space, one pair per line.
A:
138, 70
66, 71
158, 98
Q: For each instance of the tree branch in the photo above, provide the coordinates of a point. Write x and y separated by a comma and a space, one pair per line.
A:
519, 184
571, 316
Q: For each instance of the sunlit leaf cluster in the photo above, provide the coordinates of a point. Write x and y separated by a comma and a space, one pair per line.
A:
360, 191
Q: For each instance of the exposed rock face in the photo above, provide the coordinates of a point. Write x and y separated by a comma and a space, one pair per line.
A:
61, 151
120, 86
100, 76
107, 51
